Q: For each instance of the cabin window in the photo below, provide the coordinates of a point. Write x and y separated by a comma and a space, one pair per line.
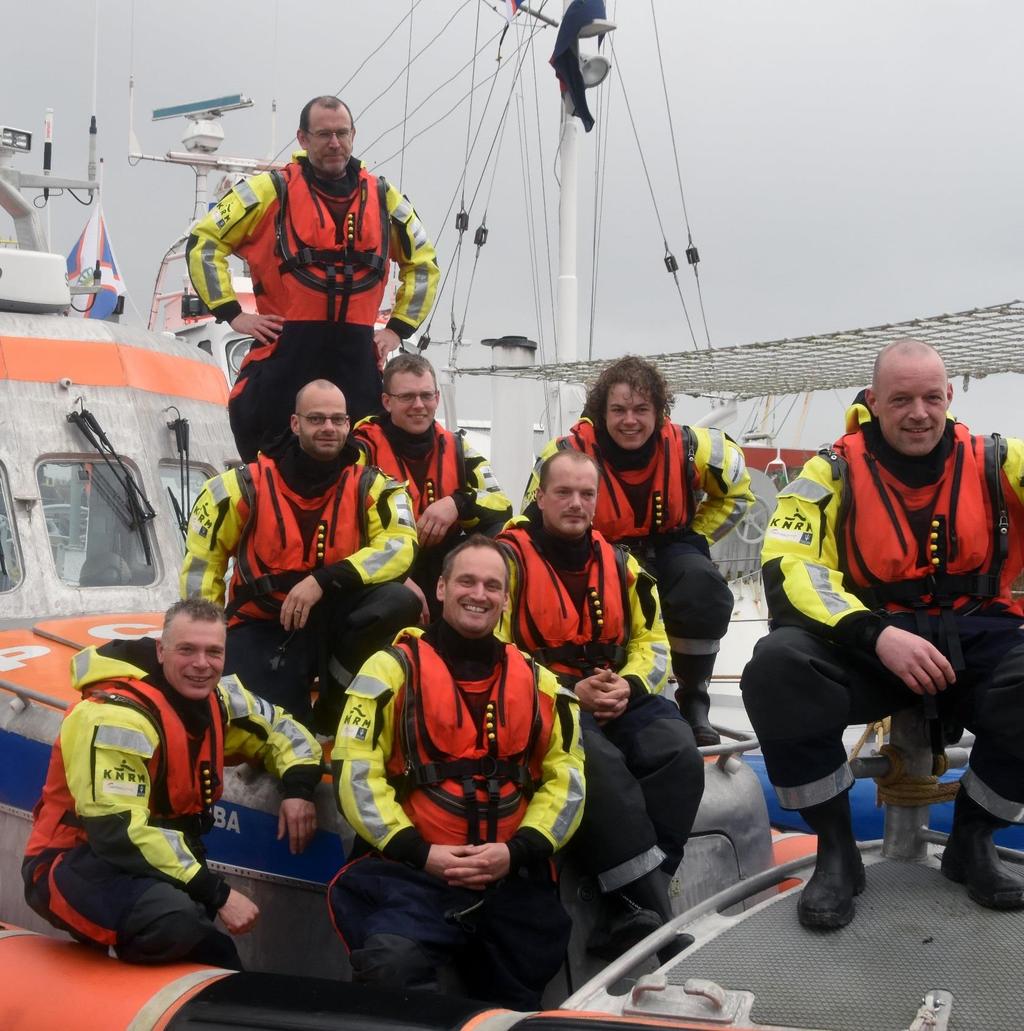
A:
95, 536
10, 554
172, 494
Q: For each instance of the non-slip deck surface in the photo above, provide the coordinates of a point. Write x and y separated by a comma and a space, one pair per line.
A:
914, 931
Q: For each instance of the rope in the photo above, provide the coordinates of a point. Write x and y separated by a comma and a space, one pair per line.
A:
897, 788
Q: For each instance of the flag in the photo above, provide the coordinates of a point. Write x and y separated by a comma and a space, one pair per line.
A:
94, 242
511, 6
566, 58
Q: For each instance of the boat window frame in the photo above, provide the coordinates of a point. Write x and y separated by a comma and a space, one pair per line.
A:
17, 553
79, 458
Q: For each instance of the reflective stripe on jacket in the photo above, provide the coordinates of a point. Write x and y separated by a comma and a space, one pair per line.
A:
462, 773
959, 544
375, 738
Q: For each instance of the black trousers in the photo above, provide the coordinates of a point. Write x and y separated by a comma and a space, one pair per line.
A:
344, 631
801, 692
645, 779
146, 920
263, 397
507, 941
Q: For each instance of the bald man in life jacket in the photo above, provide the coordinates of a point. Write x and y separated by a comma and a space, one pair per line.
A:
586, 609
320, 544
888, 568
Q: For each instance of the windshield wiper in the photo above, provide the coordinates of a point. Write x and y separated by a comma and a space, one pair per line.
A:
136, 510
182, 505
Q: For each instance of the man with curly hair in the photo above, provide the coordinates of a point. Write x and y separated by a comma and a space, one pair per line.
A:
668, 492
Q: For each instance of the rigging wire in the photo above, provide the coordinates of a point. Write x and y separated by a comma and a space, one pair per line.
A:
691, 251
670, 261
405, 107
437, 89
462, 218
460, 186
373, 53
412, 60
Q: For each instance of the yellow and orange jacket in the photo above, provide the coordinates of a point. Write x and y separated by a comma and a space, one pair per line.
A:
619, 628
124, 776
299, 269
412, 756
840, 543
456, 470
698, 480
364, 531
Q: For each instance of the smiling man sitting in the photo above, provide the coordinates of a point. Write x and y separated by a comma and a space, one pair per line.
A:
461, 771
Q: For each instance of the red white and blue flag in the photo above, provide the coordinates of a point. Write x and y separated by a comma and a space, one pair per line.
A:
94, 244
511, 6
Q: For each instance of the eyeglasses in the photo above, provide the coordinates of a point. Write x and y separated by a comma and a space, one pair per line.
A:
424, 396
317, 419
326, 134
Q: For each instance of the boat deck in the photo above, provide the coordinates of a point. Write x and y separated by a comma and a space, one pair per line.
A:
914, 932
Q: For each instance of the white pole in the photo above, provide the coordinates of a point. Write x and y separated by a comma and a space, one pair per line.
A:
567, 295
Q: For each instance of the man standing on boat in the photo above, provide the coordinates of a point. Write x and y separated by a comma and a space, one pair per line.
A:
586, 610
453, 490
319, 237
320, 543
888, 568
116, 856
668, 492
461, 770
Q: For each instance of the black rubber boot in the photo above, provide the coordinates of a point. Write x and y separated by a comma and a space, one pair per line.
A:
827, 898
970, 857
634, 911
693, 674
624, 922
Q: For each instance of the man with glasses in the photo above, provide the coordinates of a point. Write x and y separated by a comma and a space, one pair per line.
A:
320, 545
453, 490
319, 237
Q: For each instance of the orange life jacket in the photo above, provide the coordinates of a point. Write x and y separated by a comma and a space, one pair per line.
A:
272, 557
671, 480
969, 554
299, 268
457, 782
184, 782
447, 463
545, 620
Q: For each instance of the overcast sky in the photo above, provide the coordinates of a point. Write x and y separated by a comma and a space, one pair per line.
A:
845, 163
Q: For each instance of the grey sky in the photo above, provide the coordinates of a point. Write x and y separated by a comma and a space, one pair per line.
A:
845, 164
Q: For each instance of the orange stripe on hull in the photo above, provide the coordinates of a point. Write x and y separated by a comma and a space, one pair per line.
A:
104, 364
56, 984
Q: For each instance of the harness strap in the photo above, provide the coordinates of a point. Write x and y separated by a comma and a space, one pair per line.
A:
592, 653
269, 583
487, 767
